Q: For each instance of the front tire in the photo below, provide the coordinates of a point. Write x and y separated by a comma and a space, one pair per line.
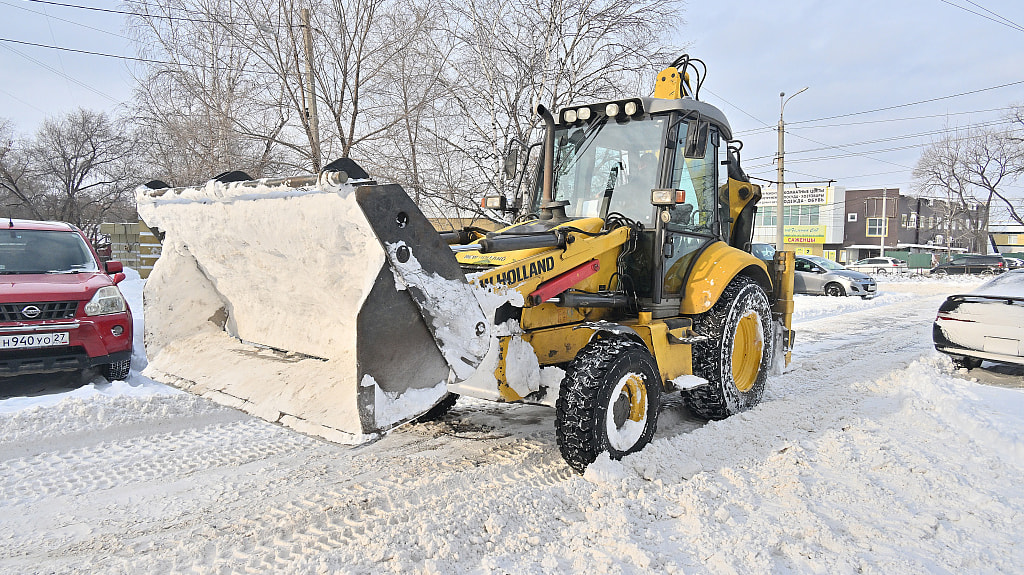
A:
608, 401
736, 357
834, 290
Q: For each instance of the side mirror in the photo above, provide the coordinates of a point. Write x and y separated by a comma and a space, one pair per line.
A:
696, 139
511, 163
114, 267
118, 278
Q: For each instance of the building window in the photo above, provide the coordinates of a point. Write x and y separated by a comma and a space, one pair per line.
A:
877, 227
913, 220
800, 215
904, 219
851, 217
1011, 239
766, 216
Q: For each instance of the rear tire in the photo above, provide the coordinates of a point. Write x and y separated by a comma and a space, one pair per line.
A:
117, 370
608, 401
737, 356
966, 362
835, 290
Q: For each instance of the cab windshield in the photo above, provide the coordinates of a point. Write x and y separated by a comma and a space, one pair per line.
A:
44, 252
607, 167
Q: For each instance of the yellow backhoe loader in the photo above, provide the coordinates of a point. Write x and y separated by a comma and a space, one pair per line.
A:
329, 303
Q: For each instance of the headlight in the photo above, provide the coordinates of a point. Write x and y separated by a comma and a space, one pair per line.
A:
611, 110
629, 108
105, 301
570, 116
584, 114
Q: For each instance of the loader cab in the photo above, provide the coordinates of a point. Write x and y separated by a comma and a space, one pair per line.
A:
608, 166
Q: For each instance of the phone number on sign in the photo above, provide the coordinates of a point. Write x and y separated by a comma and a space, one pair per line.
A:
34, 340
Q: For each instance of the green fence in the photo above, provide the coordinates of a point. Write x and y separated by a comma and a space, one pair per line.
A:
914, 261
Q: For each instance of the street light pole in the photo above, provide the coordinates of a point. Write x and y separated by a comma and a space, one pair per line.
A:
780, 203
311, 115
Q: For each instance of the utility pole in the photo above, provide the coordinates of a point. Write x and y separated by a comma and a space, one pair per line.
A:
780, 234
885, 223
314, 123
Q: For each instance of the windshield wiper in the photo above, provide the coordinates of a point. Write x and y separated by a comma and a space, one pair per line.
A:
21, 272
64, 271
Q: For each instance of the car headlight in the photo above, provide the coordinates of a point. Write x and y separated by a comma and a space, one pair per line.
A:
105, 301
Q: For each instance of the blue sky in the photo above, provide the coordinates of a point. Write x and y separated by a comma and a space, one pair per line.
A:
853, 56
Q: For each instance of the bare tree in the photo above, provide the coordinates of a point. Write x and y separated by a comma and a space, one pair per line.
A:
423, 93
86, 167
509, 56
19, 192
971, 169
205, 104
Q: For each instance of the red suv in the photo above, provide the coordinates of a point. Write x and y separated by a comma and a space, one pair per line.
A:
60, 308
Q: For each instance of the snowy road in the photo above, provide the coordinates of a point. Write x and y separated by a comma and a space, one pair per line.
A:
868, 455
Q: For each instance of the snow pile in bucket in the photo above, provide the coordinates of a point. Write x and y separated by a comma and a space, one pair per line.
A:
285, 268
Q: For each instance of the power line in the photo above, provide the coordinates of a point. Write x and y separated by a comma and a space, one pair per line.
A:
998, 20
127, 58
886, 120
63, 20
30, 105
1018, 82
887, 139
61, 74
140, 15
737, 107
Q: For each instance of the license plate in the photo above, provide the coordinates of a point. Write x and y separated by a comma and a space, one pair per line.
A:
34, 340
871, 288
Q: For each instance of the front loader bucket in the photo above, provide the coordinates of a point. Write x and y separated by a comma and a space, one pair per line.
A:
276, 298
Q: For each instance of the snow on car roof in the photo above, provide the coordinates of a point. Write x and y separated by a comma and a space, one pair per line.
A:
1009, 284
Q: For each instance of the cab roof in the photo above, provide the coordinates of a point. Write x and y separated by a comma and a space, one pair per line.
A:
658, 105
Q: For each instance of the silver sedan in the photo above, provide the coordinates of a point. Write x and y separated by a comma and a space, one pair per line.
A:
817, 275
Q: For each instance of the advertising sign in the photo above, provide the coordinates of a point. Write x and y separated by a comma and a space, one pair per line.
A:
804, 234
796, 196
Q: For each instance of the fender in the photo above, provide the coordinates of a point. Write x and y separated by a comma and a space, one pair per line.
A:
608, 327
713, 269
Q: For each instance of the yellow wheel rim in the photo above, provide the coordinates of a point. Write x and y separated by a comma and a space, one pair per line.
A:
626, 418
637, 393
747, 351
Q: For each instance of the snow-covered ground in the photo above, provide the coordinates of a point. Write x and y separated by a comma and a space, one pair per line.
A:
869, 455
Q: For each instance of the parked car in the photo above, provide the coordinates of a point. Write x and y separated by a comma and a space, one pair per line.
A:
817, 275
765, 252
986, 323
971, 264
1013, 263
60, 308
879, 265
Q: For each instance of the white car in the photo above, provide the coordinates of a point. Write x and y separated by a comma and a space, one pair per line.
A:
984, 324
879, 266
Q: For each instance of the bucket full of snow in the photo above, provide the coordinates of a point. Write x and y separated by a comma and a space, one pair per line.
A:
275, 297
